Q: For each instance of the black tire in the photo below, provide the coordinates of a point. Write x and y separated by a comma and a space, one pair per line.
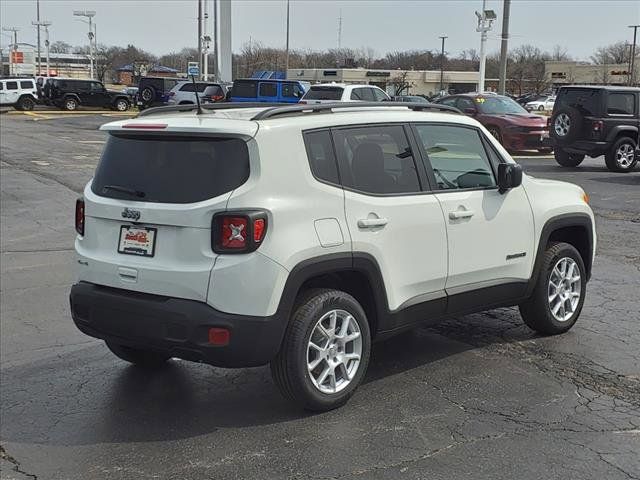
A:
495, 131
541, 108
536, 311
121, 105
141, 358
70, 104
26, 104
566, 159
184, 102
289, 368
621, 156
565, 125
147, 95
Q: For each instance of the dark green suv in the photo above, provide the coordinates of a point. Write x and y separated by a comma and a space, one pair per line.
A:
594, 121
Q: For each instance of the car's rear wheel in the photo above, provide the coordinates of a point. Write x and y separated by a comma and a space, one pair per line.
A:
70, 104
621, 157
558, 296
26, 103
541, 108
140, 357
566, 159
122, 105
325, 352
148, 94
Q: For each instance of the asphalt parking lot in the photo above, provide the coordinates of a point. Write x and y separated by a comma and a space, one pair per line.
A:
479, 396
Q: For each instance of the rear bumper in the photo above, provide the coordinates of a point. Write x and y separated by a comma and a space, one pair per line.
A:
592, 148
174, 326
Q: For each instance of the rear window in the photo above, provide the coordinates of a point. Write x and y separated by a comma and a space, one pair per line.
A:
27, 84
324, 93
170, 169
586, 100
246, 89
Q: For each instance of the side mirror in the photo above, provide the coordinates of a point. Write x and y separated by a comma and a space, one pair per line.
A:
509, 176
470, 111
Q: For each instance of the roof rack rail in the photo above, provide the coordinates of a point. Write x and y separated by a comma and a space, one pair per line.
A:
329, 107
210, 106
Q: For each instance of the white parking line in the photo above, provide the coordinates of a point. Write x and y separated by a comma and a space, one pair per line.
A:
92, 141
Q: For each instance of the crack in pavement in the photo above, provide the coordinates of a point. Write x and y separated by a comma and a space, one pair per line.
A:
16, 464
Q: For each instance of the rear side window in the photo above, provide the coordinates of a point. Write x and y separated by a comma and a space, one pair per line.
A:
26, 85
321, 157
1, 86
358, 94
457, 156
189, 87
170, 169
586, 100
324, 93
12, 85
245, 89
620, 104
376, 160
268, 89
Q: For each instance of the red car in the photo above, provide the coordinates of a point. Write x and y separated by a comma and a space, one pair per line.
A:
514, 127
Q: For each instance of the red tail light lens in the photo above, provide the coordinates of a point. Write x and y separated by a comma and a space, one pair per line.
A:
597, 126
219, 336
238, 232
217, 98
80, 216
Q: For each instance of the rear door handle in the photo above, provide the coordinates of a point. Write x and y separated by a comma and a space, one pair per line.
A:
458, 214
372, 222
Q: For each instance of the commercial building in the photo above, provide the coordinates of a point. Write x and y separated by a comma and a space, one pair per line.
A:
130, 74
420, 82
22, 61
584, 73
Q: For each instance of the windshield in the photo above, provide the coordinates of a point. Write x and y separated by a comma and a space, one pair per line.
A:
498, 106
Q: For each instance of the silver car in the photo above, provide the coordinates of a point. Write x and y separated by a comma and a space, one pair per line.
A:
184, 93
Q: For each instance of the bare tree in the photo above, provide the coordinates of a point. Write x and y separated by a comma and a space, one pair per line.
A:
60, 47
615, 53
560, 54
400, 83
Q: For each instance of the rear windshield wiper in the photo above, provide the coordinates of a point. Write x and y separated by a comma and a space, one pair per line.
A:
130, 191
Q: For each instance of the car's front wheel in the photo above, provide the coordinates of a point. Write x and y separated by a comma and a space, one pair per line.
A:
70, 104
558, 296
139, 357
566, 159
122, 105
621, 157
325, 352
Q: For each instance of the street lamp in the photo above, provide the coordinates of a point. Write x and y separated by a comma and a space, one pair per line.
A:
88, 14
15, 31
485, 21
443, 38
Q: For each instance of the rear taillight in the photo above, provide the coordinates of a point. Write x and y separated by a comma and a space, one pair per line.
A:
171, 94
597, 126
80, 216
238, 232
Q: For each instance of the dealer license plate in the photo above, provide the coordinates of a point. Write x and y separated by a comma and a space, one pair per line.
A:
137, 240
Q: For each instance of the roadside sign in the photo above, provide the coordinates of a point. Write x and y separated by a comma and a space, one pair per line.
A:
193, 69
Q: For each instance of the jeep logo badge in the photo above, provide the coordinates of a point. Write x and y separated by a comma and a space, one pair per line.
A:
132, 214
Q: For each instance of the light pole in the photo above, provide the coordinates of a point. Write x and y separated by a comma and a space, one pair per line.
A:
38, 24
46, 25
485, 20
443, 38
502, 88
14, 30
633, 53
88, 14
286, 58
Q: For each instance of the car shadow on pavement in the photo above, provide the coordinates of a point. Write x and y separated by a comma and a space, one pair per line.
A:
89, 397
621, 179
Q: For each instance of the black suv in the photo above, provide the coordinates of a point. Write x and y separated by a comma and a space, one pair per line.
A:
594, 121
69, 94
154, 91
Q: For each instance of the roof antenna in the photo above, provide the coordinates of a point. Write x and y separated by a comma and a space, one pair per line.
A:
195, 91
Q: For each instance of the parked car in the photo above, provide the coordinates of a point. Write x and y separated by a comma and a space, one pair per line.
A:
19, 93
192, 243
154, 91
529, 97
542, 104
409, 98
132, 93
514, 127
69, 94
342, 92
208, 92
594, 121
267, 90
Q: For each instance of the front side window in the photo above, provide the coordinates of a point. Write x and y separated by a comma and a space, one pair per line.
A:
620, 104
291, 90
451, 101
379, 95
376, 160
268, 89
464, 103
358, 94
1, 86
26, 85
12, 85
96, 87
321, 157
457, 156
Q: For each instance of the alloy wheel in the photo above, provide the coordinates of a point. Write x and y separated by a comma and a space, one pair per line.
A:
564, 289
334, 351
625, 155
562, 125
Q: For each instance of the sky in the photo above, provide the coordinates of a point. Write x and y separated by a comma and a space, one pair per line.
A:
160, 26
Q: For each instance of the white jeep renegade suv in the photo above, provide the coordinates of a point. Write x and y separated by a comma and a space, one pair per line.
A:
297, 235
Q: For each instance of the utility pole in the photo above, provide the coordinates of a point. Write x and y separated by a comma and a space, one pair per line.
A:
200, 34
485, 20
38, 24
286, 58
506, 10
88, 14
443, 38
216, 72
14, 30
633, 54
206, 42
44, 24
